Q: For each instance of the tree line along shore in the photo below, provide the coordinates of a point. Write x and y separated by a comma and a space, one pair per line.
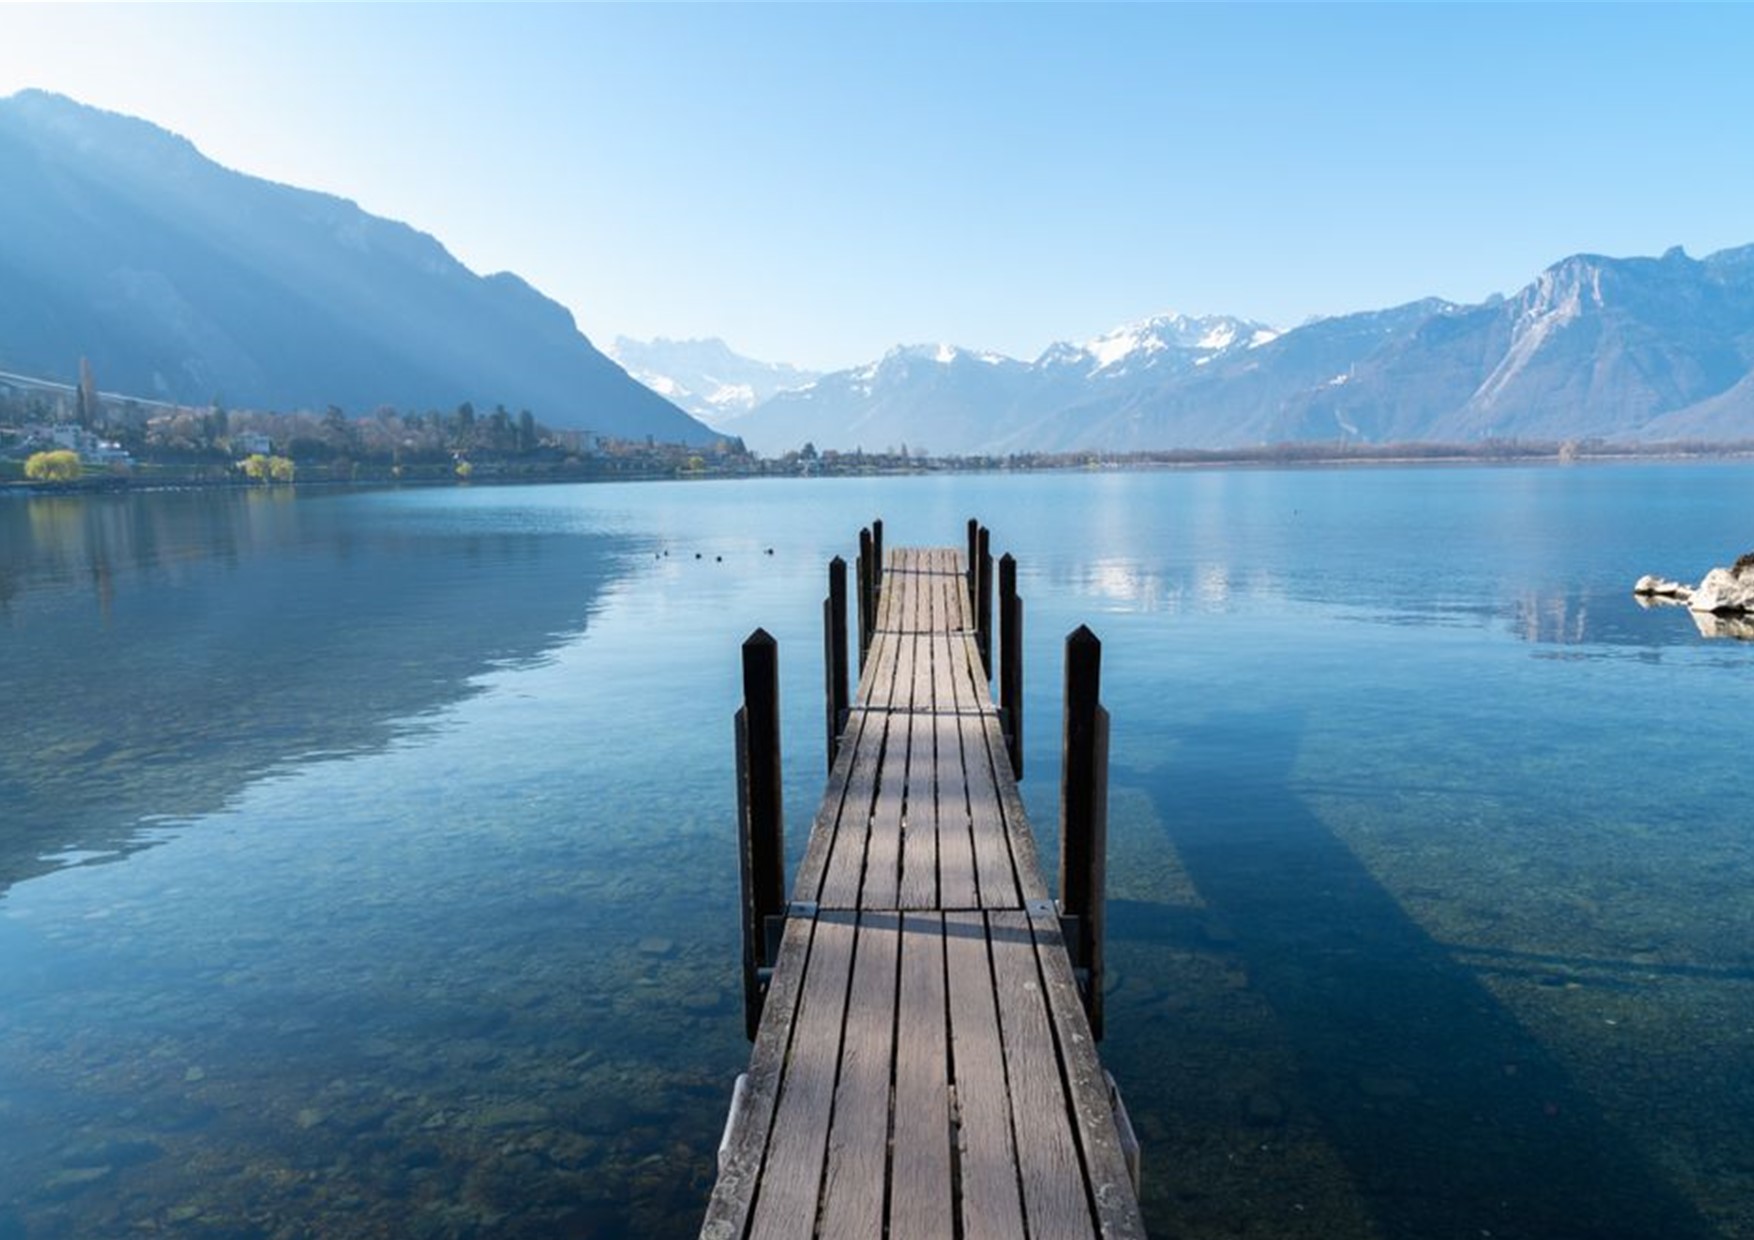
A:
66, 437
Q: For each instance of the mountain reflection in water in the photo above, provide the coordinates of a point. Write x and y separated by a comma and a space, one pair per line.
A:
161, 651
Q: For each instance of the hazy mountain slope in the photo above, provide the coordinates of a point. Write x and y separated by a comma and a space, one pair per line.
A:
1593, 347
930, 397
706, 377
179, 278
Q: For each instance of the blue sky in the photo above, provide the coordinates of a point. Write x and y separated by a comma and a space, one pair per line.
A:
818, 183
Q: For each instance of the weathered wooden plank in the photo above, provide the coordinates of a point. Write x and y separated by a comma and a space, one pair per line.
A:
882, 617
1105, 1165
823, 828
919, 870
1020, 840
883, 846
740, 1165
958, 882
791, 1175
921, 1203
986, 1151
856, 1178
874, 681
1047, 1148
978, 678
843, 871
836, 876
995, 867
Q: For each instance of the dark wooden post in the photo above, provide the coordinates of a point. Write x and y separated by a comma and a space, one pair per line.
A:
876, 557
984, 605
834, 655
1011, 661
761, 823
867, 597
1084, 816
974, 564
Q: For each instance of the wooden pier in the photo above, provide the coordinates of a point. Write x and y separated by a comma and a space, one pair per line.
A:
924, 1061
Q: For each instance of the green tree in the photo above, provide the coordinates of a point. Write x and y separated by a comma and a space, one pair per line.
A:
87, 412
338, 432
499, 429
218, 423
526, 431
61, 465
281, 469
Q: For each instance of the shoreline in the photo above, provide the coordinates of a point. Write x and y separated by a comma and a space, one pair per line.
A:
1280, 456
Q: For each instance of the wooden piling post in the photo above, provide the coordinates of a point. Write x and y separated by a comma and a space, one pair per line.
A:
877, 558
761, 822
834, 655
984, 602
974, 564
867, 596
1084, 816
1011, 661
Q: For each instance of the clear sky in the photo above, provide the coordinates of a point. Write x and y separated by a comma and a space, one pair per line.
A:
817, 183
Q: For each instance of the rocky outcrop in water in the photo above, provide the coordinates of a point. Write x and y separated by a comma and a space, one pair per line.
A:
1653, 587
1722, 605
1726, 591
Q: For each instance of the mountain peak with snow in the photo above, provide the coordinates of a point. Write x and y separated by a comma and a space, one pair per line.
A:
1163, 341
946, 355
706, 376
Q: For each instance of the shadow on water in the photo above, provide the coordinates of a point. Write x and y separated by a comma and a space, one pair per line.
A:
1452, 1119
161, 651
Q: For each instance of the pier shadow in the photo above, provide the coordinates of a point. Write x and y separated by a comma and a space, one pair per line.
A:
1453, 1120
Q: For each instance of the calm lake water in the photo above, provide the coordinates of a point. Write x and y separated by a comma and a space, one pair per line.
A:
367, 860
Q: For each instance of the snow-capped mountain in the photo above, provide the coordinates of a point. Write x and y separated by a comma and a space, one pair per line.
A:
952, 400
1165, 342
1648, 349
706, 377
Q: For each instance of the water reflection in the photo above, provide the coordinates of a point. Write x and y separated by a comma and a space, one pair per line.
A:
163, 650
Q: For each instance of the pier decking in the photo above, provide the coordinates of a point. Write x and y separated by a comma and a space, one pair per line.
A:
924, 1065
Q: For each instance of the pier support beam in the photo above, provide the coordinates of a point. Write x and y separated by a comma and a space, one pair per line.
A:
1084, 818
876, 561
974, 565
984, 600
760, 820
1011, 661
867, 594
834, 655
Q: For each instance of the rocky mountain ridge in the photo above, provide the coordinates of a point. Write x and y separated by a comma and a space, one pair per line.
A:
1639, 349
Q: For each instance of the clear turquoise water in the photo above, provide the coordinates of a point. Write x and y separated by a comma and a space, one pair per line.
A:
367, 863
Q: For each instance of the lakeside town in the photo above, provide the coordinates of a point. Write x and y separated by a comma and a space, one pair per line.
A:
62, 437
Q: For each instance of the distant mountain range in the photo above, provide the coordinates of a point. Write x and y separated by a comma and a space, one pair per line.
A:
1644, 349
182, 280
705, 377
185, 281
